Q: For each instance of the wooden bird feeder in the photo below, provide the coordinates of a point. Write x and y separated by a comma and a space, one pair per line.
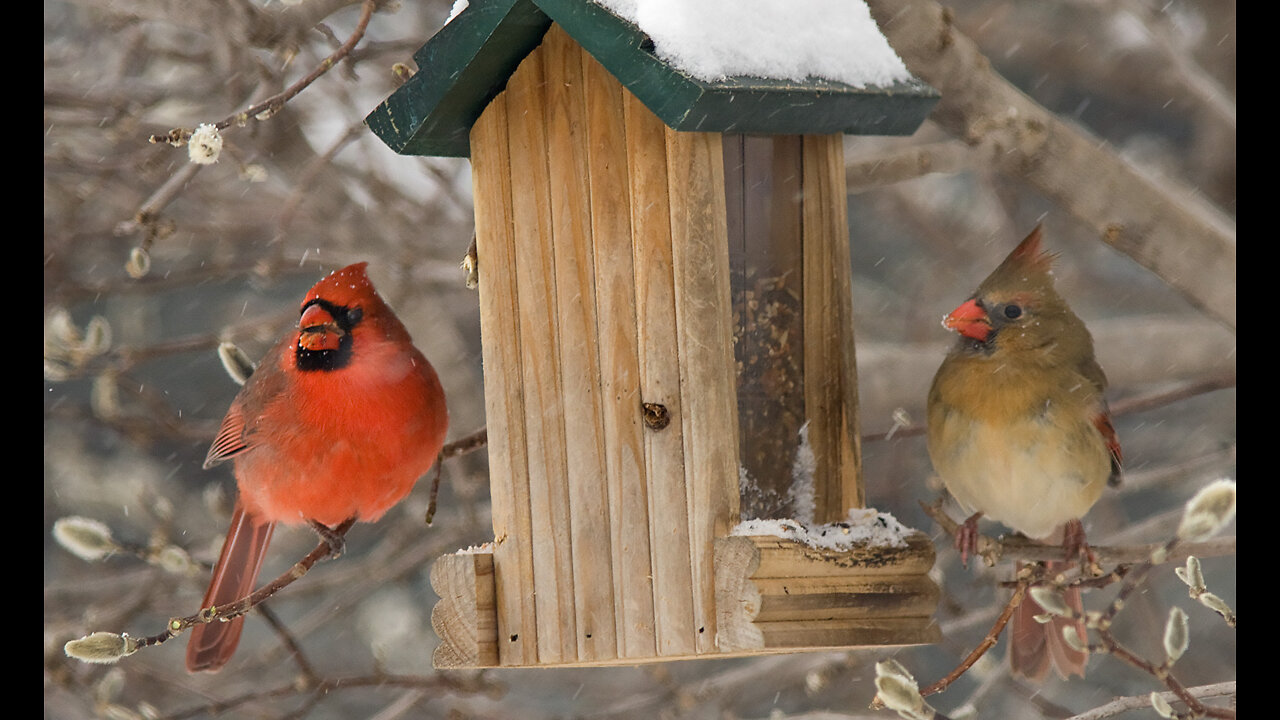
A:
666, 327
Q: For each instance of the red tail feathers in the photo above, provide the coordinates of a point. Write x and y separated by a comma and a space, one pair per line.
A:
213, 644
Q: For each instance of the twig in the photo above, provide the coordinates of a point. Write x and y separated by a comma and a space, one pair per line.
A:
287, 638
1140, 403
435, 490
444, 683
1109, 644
240, 607
151, 207
272, 105
466, 444
1196, 386
1016, 547
306, 178
1125, 704
1101, 623
461, 446
1177, 689
993, 636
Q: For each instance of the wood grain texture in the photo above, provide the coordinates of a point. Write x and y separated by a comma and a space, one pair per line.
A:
700, 264
831, 385
675, 633
848, 633
737, 597
595, 598
540, 363
858, 597
780, 558
620, 359
822, 598
465, 618
503, 387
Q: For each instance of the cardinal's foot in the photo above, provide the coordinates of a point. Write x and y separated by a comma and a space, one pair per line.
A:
335, 540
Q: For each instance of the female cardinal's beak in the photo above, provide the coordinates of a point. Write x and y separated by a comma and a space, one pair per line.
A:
969, 320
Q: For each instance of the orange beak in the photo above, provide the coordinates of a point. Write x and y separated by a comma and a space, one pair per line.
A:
969, 320
319, 331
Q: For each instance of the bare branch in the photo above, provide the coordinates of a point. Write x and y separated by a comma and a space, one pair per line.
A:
1170, 230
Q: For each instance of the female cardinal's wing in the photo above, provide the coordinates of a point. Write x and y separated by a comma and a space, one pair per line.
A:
1102, 421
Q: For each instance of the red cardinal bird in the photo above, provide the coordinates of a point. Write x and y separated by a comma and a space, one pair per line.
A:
339, 421
1019, 430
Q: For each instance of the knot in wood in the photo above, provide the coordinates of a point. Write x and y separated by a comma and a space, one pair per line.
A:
655, 415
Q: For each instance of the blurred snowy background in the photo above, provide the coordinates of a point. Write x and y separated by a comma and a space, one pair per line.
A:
232, 246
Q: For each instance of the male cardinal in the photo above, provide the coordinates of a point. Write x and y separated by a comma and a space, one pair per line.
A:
1019, 430
338, 421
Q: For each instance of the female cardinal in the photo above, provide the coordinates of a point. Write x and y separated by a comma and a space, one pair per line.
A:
1019, 430
339, 420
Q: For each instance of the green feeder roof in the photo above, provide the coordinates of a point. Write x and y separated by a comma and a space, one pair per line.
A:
468, 62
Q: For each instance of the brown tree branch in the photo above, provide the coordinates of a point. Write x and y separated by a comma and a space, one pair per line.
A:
880, 169
1123, 705
1169, 230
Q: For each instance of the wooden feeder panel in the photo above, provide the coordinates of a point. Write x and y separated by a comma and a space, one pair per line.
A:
627, 218
571, 352
603, 246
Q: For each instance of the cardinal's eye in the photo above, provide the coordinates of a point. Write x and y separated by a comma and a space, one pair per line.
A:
1013, 312
354, 315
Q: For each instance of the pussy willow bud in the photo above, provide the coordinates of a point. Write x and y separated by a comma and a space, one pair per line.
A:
175, 560
97, 336
1216, 604
62, 329
1176, 636
139, 263
86, 538
1208, 511
1191, 575
103, 648
1071, 636
898, 690
235, 362
1161, 706
1051, 600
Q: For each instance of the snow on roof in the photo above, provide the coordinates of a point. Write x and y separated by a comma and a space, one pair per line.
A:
775, 39
862, 527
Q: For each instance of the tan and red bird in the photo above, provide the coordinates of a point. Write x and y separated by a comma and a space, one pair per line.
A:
339, 420
1019, 430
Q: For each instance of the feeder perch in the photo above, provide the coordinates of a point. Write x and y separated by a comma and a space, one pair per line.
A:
667, 334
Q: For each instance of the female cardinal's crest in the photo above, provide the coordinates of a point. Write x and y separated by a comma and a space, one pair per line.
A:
1030, 254
1027, 268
